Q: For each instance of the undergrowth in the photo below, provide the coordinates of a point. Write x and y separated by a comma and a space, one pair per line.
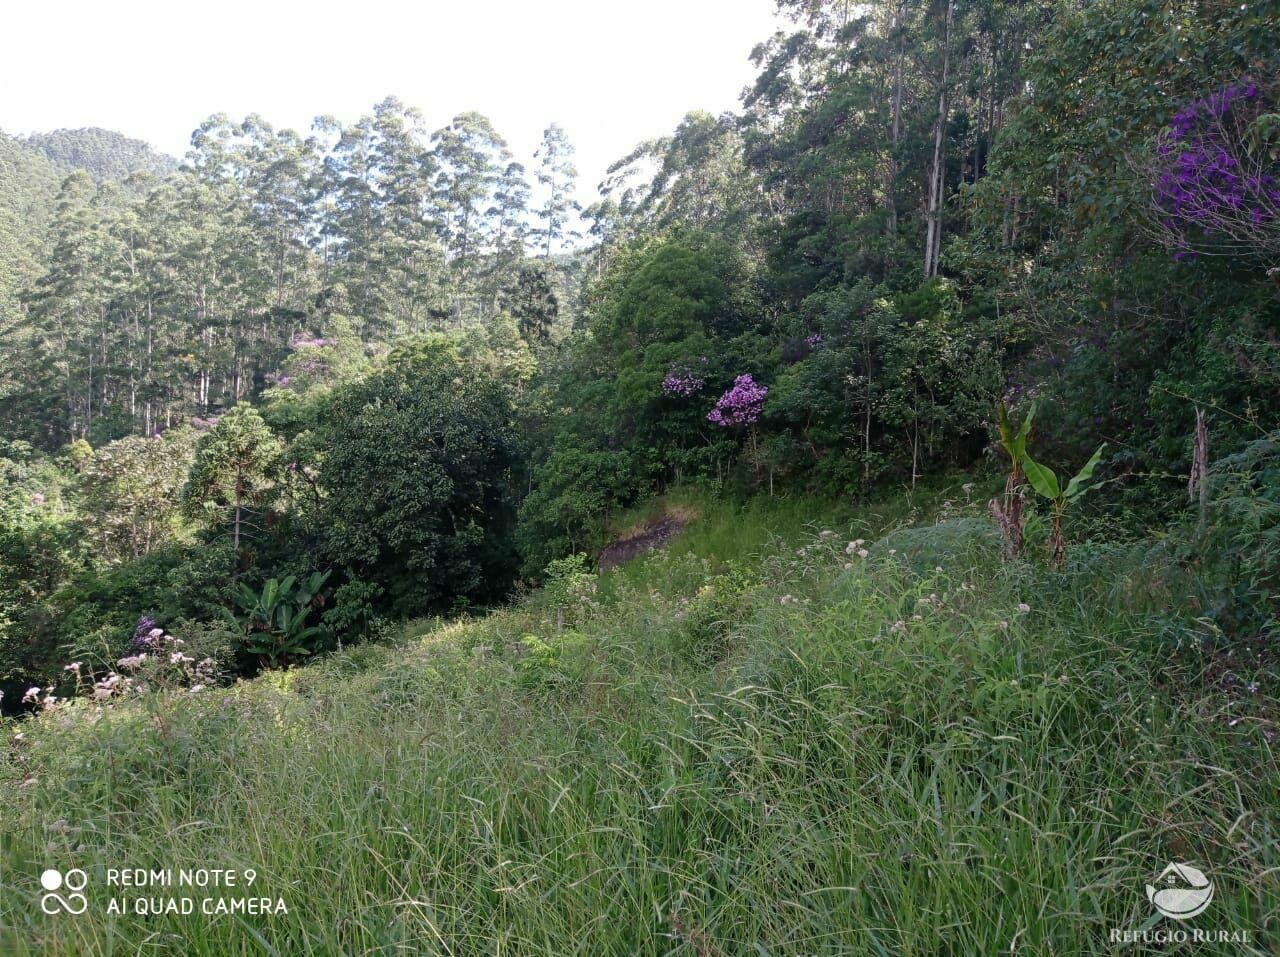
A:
793, 731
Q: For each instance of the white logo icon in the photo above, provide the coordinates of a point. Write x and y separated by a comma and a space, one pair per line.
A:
1187, 892
75, 880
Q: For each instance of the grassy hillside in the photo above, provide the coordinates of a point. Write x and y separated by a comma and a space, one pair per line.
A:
756, 741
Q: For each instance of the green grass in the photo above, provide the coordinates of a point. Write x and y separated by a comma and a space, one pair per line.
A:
742, 746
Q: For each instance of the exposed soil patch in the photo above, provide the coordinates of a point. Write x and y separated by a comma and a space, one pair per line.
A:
652, 534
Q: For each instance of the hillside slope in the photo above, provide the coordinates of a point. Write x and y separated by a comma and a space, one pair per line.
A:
103, 154
792, 731
28, 185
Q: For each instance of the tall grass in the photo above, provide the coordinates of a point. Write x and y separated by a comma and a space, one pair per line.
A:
754, 742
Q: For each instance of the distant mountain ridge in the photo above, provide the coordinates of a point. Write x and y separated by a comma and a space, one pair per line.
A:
32, 169
28, 178
103, 154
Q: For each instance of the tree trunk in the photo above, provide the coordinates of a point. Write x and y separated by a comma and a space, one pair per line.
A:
235, 533
937, 174
896, 132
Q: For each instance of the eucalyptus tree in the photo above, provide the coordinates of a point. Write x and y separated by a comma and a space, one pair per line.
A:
508, 216
380, 220
557, 177
69, 306
695, 178
470, 161
410, 253
282, 174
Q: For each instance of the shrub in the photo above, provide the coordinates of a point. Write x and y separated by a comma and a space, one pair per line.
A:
575, 492
555, 666
352, 613
569, 587
419, 473
704, 635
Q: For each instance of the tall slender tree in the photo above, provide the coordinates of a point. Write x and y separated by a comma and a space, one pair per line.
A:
557, 177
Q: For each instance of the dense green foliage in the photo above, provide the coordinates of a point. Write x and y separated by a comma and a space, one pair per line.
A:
182, 294
419, 472
384, 354
292, 394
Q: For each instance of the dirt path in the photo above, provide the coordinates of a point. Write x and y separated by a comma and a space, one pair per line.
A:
654, 534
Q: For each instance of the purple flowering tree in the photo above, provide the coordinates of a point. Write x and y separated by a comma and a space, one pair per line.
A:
682, 381
304, 340
741, 405
1215, 178
318, 361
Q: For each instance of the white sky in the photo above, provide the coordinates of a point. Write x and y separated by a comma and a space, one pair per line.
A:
611, 73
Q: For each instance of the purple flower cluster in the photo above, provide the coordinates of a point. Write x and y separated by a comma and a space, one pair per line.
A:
1191, 118
1206, 181
208, 423
154, 661
304, 341
813, 340
682, 381
161, 647
144, 635
741, 405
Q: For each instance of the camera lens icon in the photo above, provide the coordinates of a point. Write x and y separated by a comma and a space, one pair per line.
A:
73, 881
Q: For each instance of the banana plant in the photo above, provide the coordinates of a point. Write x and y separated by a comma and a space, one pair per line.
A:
274, 623
1015, 444
289, 637
1008, 513
1046, 484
